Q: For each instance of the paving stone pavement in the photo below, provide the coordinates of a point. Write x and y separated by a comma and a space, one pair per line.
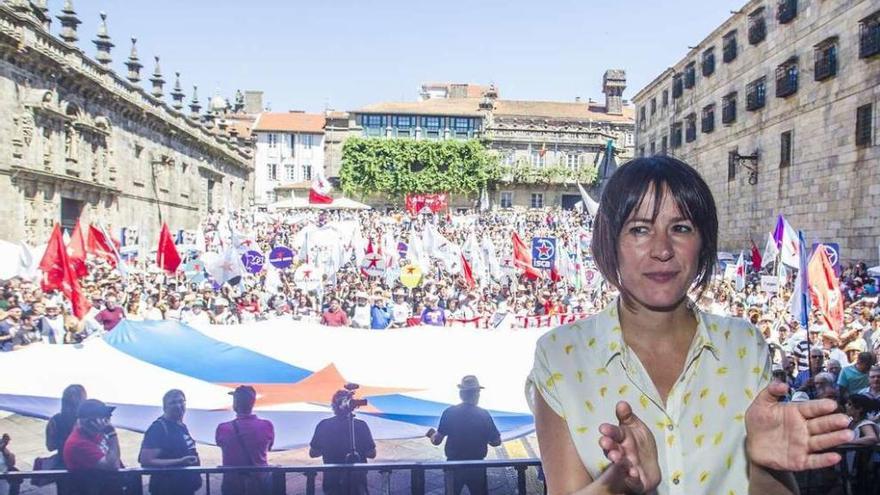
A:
28, 442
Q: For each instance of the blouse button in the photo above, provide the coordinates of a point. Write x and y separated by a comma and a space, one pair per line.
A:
669, 427
675, 481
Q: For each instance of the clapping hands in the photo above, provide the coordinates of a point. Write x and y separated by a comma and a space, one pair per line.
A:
631, 448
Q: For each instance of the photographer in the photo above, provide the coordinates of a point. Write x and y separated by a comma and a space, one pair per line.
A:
333, 439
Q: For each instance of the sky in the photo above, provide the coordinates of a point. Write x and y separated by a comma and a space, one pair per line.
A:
346, 54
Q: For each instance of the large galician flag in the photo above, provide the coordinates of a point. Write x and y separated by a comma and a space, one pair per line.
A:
295, 369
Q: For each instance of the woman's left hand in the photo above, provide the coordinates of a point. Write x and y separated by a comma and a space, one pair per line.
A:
790, 436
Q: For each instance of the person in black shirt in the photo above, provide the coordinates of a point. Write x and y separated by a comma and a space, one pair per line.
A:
332, 442
167, 443
468, 431
59, 427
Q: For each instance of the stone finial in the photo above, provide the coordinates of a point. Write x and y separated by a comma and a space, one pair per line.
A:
69, 22
43, 13
103, 43
239, 102
134, 64
194, 106
177, 93
157, 80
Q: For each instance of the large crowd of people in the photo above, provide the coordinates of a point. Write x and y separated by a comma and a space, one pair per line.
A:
815, 361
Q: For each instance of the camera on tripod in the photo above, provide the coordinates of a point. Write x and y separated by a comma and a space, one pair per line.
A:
347, 403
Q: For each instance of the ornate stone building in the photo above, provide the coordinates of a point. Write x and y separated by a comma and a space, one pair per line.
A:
80, 141
548, 140
777, 109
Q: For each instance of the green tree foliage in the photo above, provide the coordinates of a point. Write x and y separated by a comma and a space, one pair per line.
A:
396, 167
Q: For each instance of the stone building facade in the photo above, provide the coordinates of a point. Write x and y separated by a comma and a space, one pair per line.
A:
778, 110
533, 136
289, 146
80, 141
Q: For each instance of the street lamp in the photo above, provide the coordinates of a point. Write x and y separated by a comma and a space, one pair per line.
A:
749, 162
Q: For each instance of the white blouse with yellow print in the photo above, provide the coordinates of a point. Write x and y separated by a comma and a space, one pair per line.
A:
584, 368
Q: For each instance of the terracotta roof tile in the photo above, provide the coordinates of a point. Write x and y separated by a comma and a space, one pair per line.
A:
434, 106
290, 122
560, 109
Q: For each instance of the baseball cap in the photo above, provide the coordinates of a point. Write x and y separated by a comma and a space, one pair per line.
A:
93, 408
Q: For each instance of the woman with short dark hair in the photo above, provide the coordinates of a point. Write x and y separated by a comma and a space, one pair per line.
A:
674, 389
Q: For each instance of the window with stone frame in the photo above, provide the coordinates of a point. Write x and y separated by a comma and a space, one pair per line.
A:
787, 78
537, 158
786, 11
708, 118
690, 128
537, 200
757, 26
664, 145
506, 199
756, 94
272, 169
665, 100
731, 165
728, 108
677, 86
140, 169
869, 35
865, 125
642, 114
573, 161
289, 172
641, 151
653, 148
676, 135
690, 75
729, 47
272, 139
825, 59
653, 106
185, 184
708, 64
785, 149
306, 172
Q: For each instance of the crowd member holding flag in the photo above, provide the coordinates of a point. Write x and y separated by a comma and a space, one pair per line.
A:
658, 374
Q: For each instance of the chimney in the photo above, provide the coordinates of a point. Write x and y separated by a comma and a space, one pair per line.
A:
253, 102
613, 84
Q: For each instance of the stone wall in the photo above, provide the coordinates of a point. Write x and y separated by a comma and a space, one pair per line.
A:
76, 131
831, 188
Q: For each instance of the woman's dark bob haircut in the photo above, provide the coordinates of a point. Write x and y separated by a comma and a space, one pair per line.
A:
624, 193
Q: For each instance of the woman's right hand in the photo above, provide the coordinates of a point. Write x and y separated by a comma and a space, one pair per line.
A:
631, 448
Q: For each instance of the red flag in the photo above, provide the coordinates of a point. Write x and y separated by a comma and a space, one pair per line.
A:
58, 274
320, 190
167, 256
825, 289
100, 246
756, 257
522, 258
53, 262
468, 273
76, 252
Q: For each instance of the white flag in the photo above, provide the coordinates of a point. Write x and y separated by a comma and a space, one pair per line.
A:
770, 252
225, 266
591, 206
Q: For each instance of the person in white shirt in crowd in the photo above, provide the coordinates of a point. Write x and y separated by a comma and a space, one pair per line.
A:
400, 309
197, 314
52, 324
361, 312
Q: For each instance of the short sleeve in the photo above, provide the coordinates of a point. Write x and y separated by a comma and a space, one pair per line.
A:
541, 381
317, 442
154, 437
443, 427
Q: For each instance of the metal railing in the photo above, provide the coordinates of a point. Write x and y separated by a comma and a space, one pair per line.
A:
134, 477
856, 474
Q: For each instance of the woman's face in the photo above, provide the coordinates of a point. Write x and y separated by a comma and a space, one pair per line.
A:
658, 260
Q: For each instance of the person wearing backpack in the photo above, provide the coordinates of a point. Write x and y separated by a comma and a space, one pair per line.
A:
167, 443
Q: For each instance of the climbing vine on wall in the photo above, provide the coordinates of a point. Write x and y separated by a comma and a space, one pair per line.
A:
397, 167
